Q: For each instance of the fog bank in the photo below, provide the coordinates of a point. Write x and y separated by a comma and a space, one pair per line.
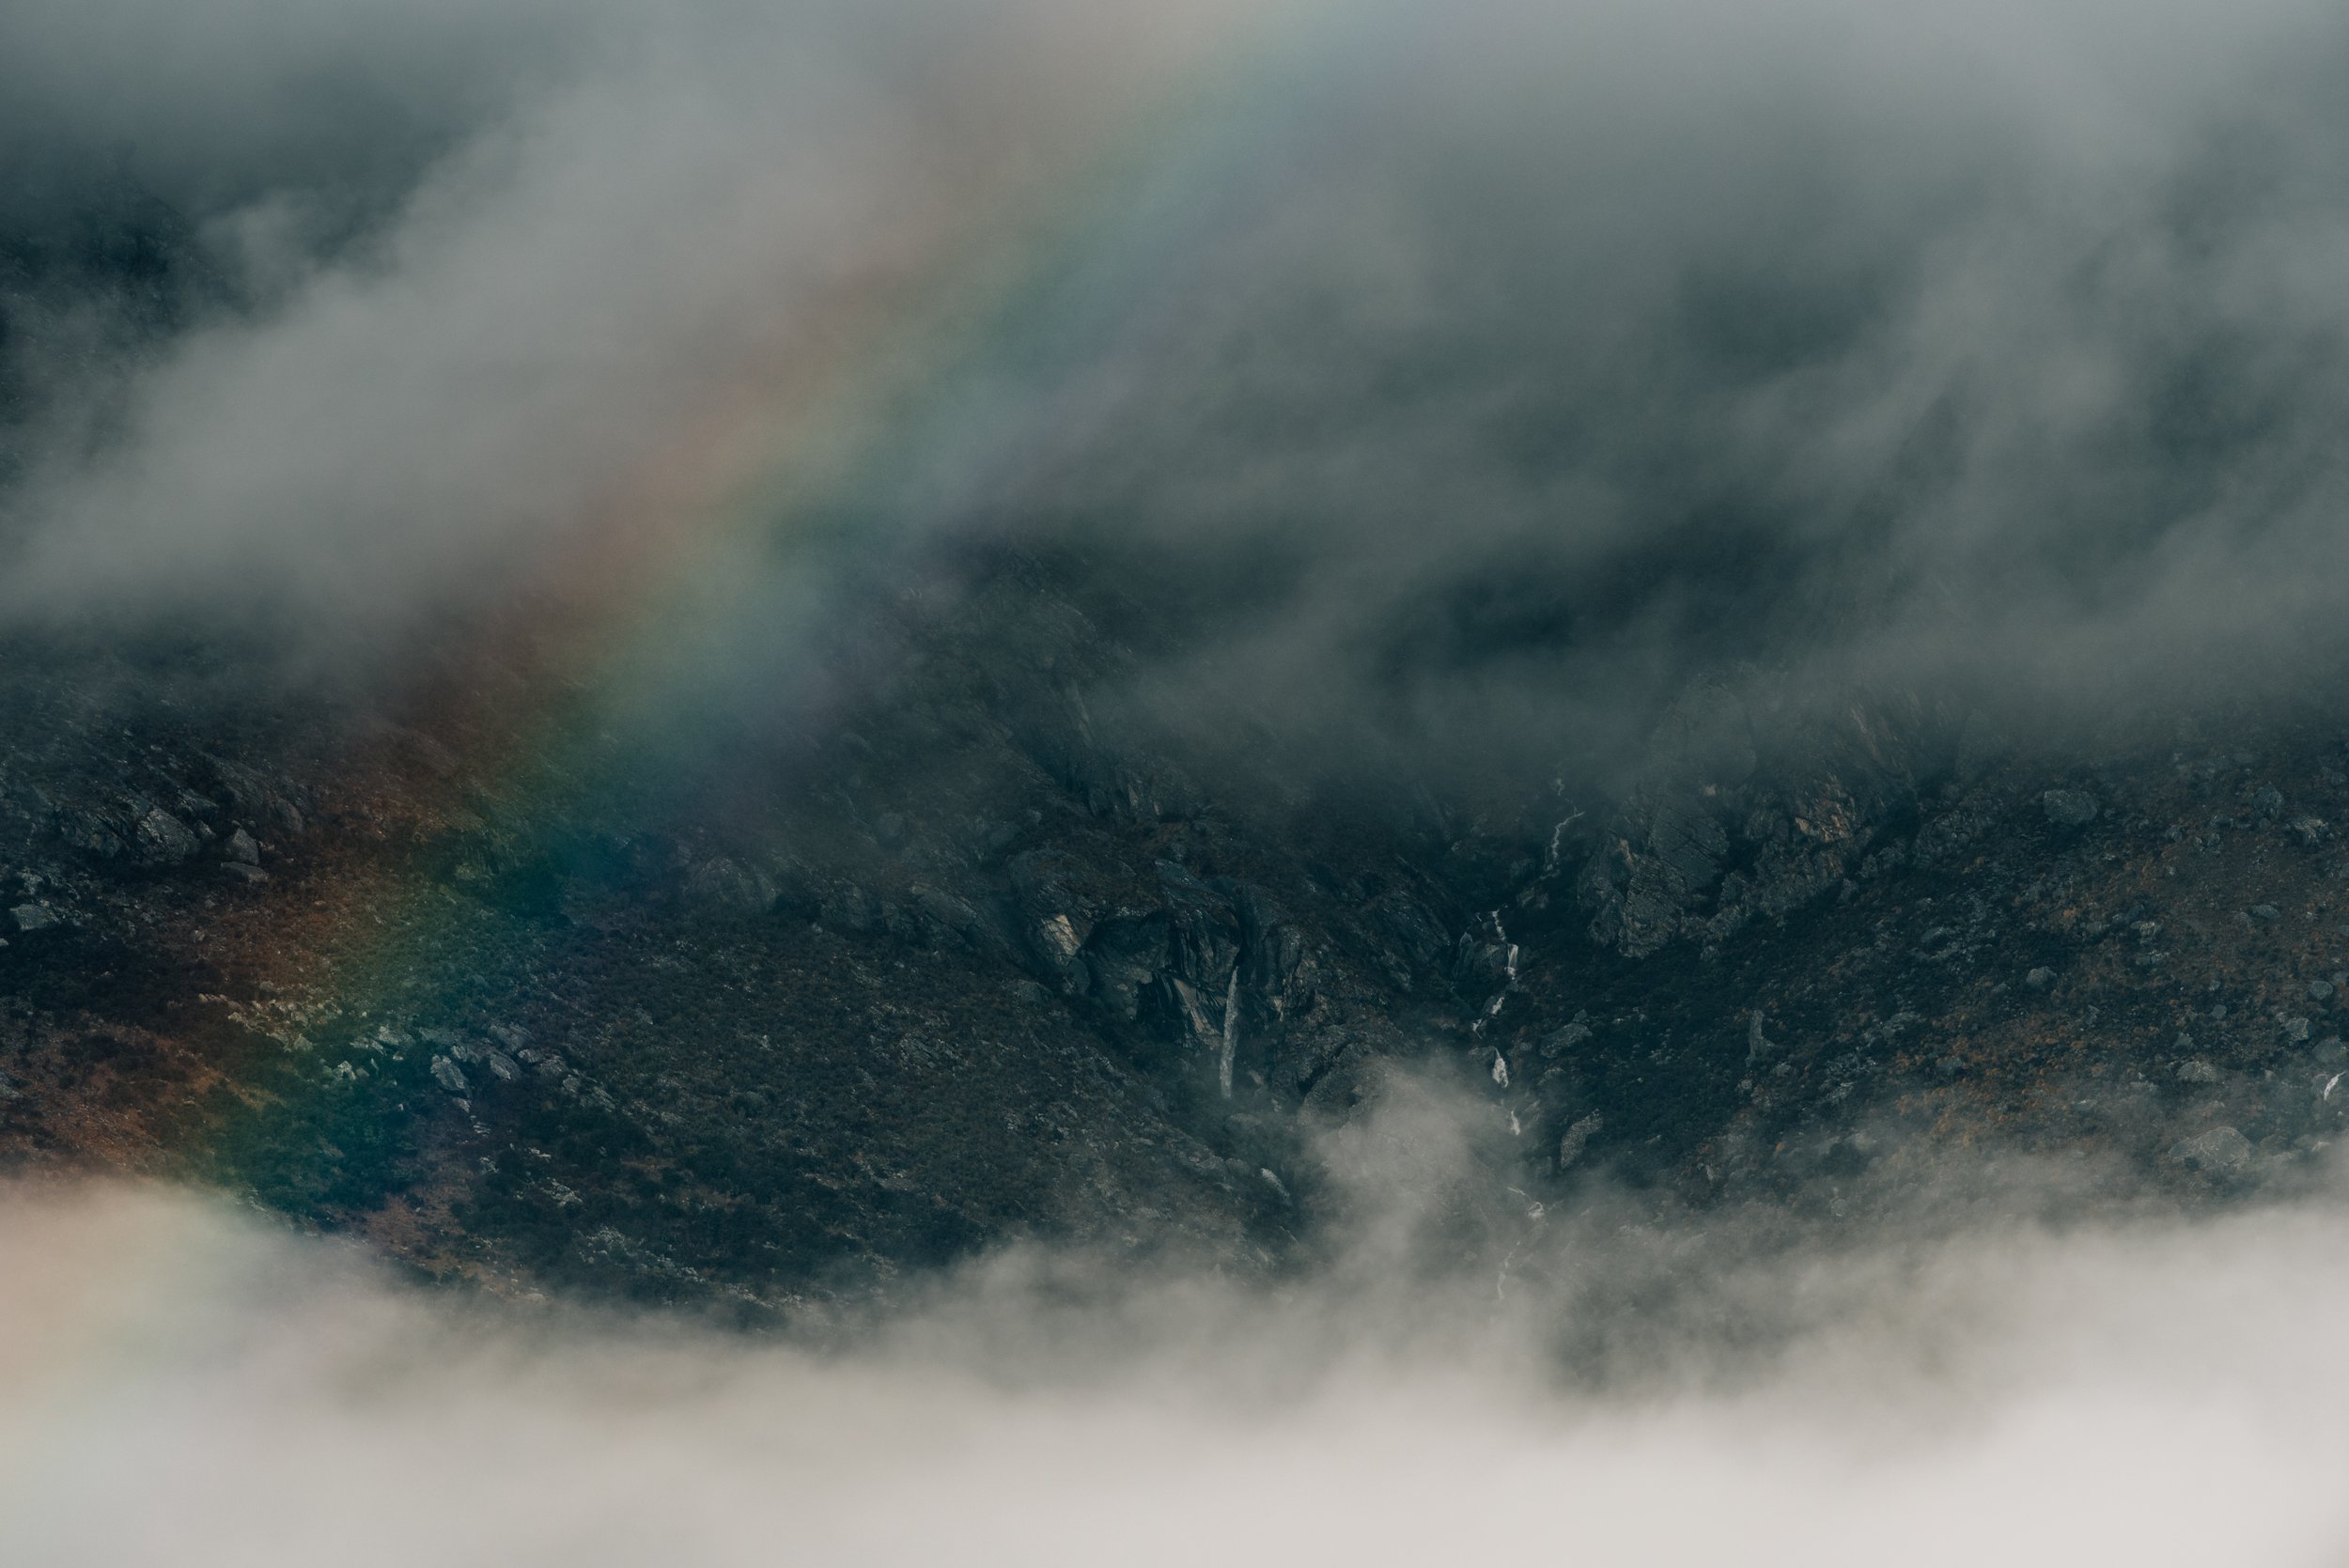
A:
1455, 380
188, 1387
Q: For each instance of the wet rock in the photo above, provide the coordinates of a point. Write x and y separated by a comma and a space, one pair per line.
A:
1192, 1010
1485, 959
1204, 935
2069, 808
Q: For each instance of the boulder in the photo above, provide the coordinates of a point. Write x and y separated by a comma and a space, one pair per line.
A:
2220, 1152
164, 839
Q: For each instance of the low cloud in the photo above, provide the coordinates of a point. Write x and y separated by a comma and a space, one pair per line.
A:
1449, 384
1983, 353
188, 1386
598, 307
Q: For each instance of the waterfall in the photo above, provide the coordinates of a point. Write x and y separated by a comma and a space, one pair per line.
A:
1231, 1032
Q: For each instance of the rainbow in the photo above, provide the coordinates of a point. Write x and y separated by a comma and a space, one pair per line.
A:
617, 645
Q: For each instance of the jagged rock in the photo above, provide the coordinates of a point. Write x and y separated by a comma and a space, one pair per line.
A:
1411, 940
1204, 935
242, 849
1558, 1042
941, 918
1485, 959
1124, 955
1062, 945
258, 796
448, 1075
1663, 868
1577, 1138
1193, 1011
33, 917
165, 840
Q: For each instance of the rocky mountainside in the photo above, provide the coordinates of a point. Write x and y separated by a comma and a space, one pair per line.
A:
1359, 625
966, 960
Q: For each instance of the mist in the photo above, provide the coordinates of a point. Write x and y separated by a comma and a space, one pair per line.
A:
1385, 391
1460, 383
1956, 1375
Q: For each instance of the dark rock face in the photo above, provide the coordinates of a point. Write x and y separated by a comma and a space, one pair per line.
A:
1716, 835
962, 968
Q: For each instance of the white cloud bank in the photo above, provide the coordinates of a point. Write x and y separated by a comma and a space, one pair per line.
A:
184, 1387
